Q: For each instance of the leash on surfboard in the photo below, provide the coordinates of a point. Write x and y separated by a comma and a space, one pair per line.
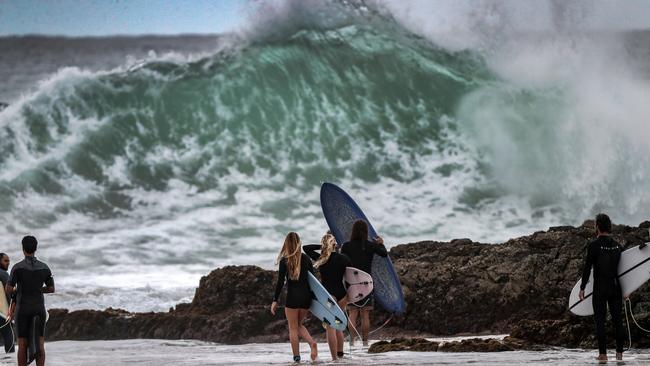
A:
627, 303
633, 318
383, 325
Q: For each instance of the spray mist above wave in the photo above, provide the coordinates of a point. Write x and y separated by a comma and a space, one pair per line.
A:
181, 165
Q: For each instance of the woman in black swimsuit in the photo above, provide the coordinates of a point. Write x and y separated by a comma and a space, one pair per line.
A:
331, 266
294, 267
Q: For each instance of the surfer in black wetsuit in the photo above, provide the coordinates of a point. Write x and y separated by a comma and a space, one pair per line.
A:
360, 251
7, 331
293, 267
30, 279
331, 266
603, 254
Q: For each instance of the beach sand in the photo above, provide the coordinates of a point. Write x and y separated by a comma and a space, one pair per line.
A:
163, 352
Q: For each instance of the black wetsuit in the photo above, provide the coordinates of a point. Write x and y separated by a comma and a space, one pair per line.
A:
7, 333
604, 254
29, 275
361, 255
298, 292
332, 272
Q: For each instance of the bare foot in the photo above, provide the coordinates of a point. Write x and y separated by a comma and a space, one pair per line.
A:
601, 358
314, 351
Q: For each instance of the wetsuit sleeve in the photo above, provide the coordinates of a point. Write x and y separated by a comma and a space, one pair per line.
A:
49, 280
346, 260
380, 250
282, 274
310, 266
310, 250
589, 262
345, 249
13, 277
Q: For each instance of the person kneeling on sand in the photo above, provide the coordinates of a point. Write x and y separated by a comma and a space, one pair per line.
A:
30, 279
603, 254
294, 268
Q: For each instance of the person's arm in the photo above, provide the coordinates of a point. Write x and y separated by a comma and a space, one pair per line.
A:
310, 266
282, 274
310, 250
10, 287
11, 311
49, 285
379, 247
586, 269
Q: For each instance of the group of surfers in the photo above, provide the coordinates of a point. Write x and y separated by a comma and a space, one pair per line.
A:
602, 255
293, 268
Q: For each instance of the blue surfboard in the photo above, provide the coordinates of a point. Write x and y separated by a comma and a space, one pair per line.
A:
324, 306
341, 212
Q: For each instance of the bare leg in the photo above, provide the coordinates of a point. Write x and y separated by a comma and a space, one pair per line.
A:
331, 341
304, 333
353, 313
22, 351
365, 325
292, 319
40, 360
340, 339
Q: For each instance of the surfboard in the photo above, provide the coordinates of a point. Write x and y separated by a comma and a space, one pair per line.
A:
4, 306
341, 212
633, 272
324, 306
357, 283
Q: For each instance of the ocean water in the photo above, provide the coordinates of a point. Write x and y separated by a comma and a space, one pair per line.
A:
143, 163
163, 352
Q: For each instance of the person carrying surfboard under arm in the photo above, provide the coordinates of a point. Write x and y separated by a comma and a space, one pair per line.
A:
603, 254
7, 332
360, 251
30, 279
294, 267
331, 266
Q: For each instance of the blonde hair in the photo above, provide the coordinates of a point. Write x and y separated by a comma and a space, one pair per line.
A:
291, 252
328, 245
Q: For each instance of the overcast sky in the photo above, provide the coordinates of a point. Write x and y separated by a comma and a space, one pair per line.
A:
109, 17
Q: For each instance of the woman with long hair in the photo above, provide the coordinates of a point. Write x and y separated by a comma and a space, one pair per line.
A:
360, 250
294, 268
331, 266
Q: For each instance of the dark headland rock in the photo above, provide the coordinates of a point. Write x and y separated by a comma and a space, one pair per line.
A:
519, 287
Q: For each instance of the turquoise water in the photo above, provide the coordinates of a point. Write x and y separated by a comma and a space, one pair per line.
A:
141, 177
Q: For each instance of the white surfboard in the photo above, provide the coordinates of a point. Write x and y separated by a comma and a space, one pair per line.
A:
633, 272
4, 306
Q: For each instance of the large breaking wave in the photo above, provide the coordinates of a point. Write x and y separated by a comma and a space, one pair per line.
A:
171, 167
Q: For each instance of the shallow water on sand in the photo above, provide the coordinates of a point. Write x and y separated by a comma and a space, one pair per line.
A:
164, 352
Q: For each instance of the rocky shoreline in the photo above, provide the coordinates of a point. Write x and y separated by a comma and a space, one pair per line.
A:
520, 287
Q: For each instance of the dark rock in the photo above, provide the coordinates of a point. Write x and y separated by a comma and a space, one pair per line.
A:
520, 287
404, 344
477, 345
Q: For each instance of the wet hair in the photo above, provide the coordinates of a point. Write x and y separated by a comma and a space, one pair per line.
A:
2, 255
359, 231
29, 244
291, 251
603, 223
327, 246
